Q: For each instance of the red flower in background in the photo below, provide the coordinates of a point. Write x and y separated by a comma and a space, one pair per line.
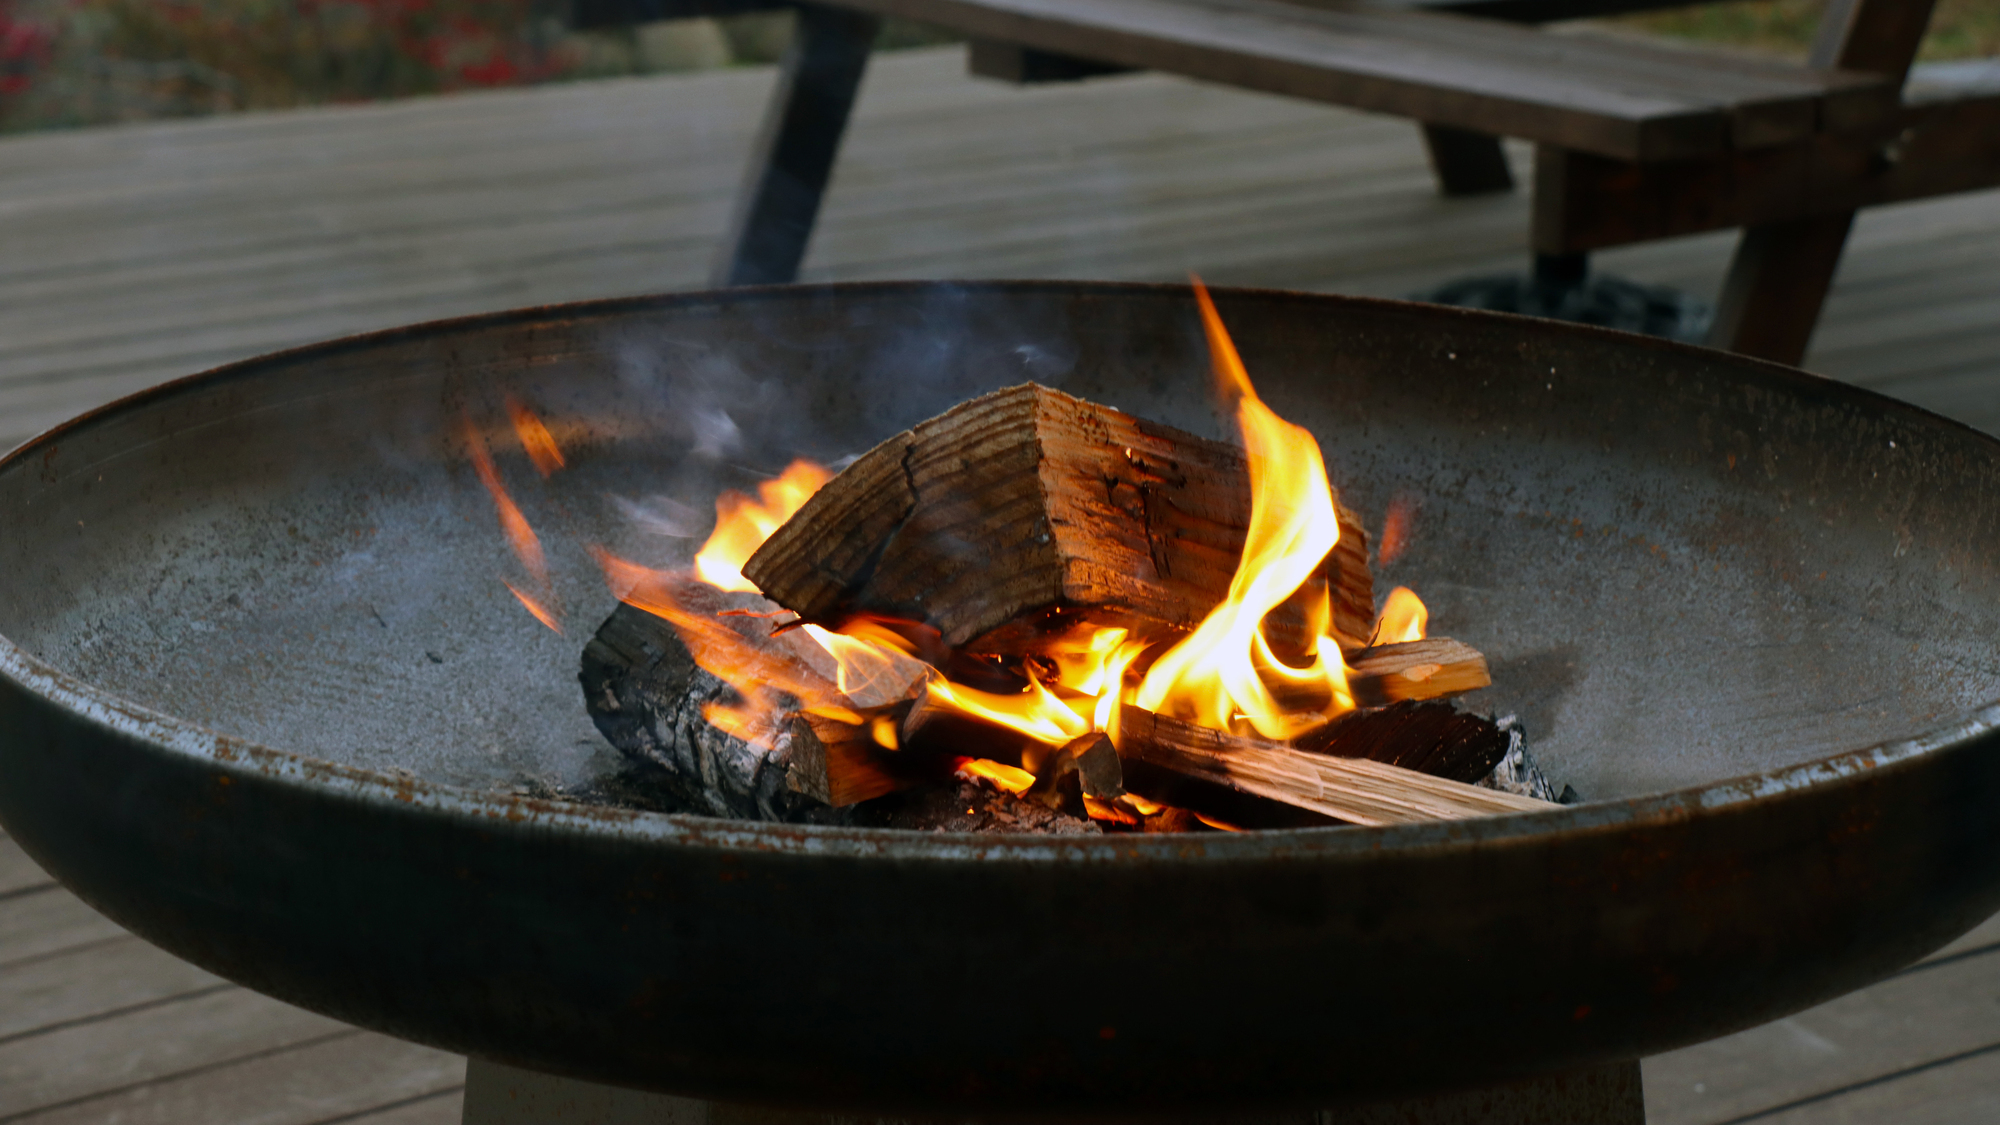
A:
201, 56
26, 44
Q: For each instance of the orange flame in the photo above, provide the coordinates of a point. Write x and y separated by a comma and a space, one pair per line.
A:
878, 665
1396, 528
541, 612
1403, 618
771, 681
742, 524
1216, 675
514, 525
1225, 675
535, 438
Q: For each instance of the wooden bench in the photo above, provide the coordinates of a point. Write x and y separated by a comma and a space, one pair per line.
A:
1635, 140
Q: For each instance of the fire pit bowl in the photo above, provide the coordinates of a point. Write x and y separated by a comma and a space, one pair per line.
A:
265, 701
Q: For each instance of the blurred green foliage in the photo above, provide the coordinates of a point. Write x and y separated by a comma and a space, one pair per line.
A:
1959, 28
81, 62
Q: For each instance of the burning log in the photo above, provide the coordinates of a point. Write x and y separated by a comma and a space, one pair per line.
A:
1005, 518
655, 702
991, 577
1352, 789
1433, 668
651, 697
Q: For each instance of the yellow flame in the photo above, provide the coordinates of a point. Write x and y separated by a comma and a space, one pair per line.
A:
883, 730
1013, 780
1216, 675
1225, 675
513, 524
1104, 716
1037, 712
742, 524
1403, 618
869, 674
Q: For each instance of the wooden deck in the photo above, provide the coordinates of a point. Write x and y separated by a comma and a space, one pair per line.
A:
135, 254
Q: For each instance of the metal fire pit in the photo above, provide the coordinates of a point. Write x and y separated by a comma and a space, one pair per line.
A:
264, 700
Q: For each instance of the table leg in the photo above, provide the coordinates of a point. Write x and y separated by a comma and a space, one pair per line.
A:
1776, 285
1467, 162
795, 148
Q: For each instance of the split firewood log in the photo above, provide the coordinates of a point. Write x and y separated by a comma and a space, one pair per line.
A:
1014, 515
1352, 789
1428, 669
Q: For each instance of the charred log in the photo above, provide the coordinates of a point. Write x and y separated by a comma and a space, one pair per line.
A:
1429, 737
970, 806
1518, 772
648, 696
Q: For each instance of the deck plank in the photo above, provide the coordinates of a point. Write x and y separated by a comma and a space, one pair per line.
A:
90, 981
48, 920
71, 1063
1963, 1090
18, 874
446, 1107
1930, 1012
355, 1076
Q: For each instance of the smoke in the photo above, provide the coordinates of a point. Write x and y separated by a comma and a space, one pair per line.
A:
663, 516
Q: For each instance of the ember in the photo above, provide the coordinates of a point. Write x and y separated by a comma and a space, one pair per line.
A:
1032, 600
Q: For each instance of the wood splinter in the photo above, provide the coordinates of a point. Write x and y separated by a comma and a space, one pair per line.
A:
1355, 790
1432, 668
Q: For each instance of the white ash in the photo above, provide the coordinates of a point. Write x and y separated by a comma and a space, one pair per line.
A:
1517, 771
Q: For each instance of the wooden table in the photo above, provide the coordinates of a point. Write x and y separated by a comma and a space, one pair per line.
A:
1635, 141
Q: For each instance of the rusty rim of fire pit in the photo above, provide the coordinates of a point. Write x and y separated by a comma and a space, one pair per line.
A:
165, 733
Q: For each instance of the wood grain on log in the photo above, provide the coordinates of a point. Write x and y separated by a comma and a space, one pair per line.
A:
1020, 512
1354, 790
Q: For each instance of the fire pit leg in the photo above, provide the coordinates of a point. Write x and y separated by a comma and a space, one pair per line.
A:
503, 1095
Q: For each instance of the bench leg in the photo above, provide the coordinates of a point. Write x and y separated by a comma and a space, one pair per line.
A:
793, 156
1467, 162
1776, 285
